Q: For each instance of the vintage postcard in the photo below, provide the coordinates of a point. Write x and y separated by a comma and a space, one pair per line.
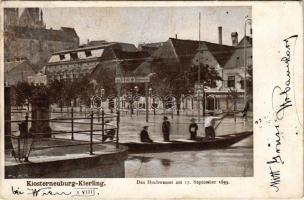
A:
151, 100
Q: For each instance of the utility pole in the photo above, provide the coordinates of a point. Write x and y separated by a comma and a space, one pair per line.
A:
245, 62
199, 67
245, 84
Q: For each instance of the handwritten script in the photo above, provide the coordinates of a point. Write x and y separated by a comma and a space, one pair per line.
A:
281, 94
50, 191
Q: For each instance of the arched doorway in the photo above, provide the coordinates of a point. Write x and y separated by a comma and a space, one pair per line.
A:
210, 102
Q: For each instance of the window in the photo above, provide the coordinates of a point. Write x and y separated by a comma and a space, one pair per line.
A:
88, 53
237, 58
74, 56
62, 56
231, 81
242, 83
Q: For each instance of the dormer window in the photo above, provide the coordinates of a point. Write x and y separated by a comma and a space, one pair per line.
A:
62, 56
74, 56
88, 53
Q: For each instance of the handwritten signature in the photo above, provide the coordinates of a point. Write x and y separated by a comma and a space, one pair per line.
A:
277, 90
45, 191
38, 192
281, 94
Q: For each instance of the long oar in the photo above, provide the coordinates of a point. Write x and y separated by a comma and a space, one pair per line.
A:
220, 121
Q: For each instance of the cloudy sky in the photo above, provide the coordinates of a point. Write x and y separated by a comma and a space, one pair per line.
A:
149, 24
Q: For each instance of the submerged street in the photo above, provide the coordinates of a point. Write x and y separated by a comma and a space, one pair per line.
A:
235, 161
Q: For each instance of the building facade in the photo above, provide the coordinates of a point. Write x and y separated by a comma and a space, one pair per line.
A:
227, 60
229, 94
26, 36
17, 71
90, 60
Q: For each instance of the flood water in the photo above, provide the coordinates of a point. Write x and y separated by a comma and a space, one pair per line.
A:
236, 161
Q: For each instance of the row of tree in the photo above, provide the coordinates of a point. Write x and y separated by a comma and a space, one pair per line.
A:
60, 92
164, 82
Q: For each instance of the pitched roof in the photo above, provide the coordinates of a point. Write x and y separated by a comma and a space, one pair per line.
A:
64, 34
96, 43
83, 49
143, 69
70, 31
248, 41
137, 55
127, 46
188, 48
150, 47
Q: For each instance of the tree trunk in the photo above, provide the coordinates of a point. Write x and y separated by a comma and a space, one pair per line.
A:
131, 107
178, 104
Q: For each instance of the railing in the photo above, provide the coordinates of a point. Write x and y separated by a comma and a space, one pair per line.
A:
98, 123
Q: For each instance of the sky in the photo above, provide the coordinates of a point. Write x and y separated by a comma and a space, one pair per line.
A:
149, 24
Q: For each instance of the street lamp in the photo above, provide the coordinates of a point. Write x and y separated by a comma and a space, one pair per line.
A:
150, 95
22, 142
245, 60
72, 119
27, 104
136, 92
102, 94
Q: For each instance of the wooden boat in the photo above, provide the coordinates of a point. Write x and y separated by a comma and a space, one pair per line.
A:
201, 143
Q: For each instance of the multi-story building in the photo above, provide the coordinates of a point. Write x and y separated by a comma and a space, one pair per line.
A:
17, 71
229, 93
26, 36
89, 60
227, 60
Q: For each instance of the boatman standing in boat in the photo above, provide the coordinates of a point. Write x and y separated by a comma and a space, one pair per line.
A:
166, 129
209, 125
193, 129
144, 135
245, 110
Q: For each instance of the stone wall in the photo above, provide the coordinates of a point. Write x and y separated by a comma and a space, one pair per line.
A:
101, 165
37, 51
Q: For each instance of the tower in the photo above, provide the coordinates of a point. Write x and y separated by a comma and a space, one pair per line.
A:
32, 17
11, 16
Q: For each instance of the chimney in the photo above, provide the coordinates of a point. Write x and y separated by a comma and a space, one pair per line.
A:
220, 35
175, 36
234, 38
